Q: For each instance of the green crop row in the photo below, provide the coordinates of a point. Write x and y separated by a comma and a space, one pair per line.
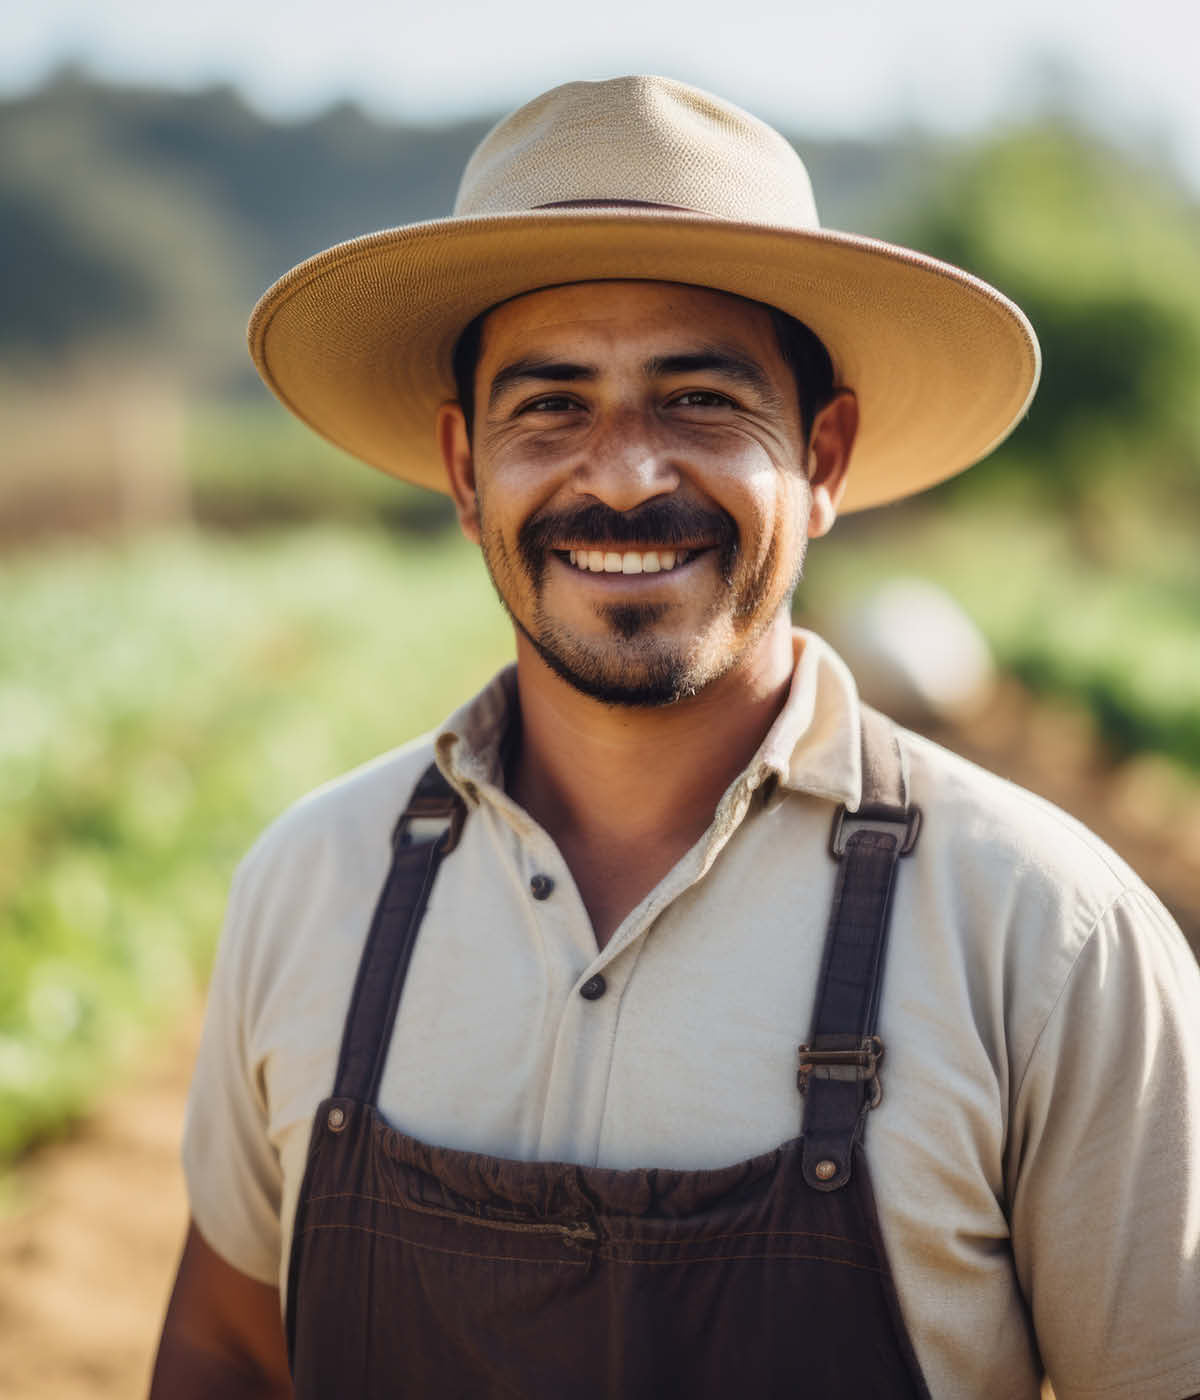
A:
157, 706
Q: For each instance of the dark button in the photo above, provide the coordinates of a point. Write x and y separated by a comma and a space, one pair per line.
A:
542, 886
594, 988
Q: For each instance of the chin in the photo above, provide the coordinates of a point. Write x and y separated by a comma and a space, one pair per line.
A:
635, 670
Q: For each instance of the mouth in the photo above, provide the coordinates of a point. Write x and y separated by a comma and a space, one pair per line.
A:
629, 561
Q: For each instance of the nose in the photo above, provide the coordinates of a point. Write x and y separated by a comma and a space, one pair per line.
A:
625, 462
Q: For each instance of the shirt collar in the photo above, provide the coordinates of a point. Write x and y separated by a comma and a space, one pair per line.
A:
813, 747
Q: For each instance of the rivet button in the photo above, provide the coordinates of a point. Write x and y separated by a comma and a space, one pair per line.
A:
826, 1170
594, 988
541, 886
336, 1119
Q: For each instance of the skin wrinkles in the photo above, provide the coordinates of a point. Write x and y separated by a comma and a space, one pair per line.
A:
636, 415
718, 359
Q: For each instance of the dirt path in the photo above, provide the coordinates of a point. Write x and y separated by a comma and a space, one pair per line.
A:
87, 1258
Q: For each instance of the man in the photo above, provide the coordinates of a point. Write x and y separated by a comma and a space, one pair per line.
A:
499, 1081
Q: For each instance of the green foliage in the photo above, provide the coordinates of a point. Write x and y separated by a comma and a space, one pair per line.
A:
157, 706
1118, 636
1104, 257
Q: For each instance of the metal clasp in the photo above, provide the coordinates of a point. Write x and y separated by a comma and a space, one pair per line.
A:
432, 810
859, 1063
875, 815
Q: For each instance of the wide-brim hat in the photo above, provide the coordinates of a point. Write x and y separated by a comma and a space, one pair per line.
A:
645, 178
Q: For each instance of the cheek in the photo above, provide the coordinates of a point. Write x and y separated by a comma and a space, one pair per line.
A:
774, 533
492, 540
772, 512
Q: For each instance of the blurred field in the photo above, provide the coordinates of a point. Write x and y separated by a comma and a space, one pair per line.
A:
158, 703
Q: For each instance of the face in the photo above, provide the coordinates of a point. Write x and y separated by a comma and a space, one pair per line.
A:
638, 481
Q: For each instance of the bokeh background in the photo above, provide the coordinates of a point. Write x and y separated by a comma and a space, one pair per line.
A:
204, 610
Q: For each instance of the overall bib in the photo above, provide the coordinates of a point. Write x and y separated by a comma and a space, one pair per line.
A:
422, 1271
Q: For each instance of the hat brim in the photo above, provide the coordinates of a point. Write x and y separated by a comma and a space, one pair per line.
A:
357, 341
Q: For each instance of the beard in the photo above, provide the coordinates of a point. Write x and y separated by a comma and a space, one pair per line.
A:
634, 666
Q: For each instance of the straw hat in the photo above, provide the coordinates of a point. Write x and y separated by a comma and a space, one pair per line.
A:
645, 178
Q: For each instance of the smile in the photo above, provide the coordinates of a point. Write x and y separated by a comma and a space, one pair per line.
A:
629, 561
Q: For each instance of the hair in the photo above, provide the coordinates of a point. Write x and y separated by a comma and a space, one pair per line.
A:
802, 352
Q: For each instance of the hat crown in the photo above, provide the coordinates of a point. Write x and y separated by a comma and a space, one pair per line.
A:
644, 140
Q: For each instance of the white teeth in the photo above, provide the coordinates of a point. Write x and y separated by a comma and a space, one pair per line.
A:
652, 561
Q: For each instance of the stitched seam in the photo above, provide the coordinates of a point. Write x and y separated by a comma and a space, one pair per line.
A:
1066, 982
442, 1213
636, 946
438, 1249
467, 1218
608, 1258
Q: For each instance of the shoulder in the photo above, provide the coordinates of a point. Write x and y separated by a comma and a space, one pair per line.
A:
1015, 902
309, 882
342, 818
991, 830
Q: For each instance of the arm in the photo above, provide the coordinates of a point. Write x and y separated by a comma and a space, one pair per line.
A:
1105, 1150
223, 1334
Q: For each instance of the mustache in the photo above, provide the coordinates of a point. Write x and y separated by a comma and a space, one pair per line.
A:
654, 522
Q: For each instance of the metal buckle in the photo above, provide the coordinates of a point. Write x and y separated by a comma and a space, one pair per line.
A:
861, 1064
880, 816
433, 809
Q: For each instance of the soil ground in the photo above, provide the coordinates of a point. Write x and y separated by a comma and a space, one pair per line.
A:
89, 1241
90, 1238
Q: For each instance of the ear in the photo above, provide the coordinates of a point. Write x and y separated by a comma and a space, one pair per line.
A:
830, 444
455, 444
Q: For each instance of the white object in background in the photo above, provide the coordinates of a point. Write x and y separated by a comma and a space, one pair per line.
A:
914, 652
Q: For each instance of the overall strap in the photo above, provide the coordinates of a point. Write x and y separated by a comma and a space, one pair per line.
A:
383, 967
839, 1066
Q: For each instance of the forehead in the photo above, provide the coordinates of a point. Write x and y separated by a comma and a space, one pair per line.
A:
594, 316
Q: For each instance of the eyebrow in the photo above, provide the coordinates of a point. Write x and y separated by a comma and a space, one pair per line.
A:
713, 359
523, 371
706, 359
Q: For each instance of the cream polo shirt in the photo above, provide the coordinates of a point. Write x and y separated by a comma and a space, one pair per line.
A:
1036, 1155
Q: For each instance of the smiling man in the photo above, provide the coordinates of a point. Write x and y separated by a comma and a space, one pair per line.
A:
668, 1023
674, 423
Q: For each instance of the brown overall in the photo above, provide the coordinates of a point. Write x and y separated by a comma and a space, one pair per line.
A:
427, 1272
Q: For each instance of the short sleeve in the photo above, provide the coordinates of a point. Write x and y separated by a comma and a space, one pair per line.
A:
233, 1174
1104, 1165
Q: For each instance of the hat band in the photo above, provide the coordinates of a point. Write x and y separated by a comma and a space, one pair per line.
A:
619, 204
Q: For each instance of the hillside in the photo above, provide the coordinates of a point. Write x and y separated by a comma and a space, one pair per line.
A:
153, 219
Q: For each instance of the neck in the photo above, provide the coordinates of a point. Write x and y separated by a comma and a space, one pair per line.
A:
624, 787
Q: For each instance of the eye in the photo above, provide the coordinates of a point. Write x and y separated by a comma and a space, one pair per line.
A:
549, 403
702, 398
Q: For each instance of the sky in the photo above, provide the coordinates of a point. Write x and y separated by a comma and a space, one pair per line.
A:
840, 67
